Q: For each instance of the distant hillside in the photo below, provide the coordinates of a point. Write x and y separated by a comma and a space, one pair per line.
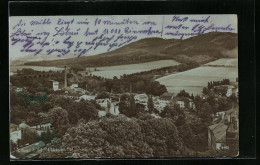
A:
201, 49
31, 58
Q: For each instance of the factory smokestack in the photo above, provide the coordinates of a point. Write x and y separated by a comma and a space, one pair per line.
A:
65, 79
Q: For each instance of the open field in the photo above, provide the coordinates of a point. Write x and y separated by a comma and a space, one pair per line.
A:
224, 62
111, 71
194, 80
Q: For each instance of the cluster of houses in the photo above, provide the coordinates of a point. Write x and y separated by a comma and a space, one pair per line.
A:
17, 132
223, 135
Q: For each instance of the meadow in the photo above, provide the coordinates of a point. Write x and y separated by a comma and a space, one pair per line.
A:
194, 80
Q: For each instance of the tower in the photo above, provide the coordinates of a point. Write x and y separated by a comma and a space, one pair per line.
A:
65, 79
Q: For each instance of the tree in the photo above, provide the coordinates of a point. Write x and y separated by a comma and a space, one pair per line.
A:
124, 97
205, 91
115, 137
162, 136
102, 95
198, 101
233, 99
132, 106
192, 97
155, 88
170, 111
46, 137
223, 104
28, 136
205, 112
150, 104
59, 119
183, 93
13, 146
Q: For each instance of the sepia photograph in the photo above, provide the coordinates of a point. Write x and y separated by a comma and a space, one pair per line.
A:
123, 86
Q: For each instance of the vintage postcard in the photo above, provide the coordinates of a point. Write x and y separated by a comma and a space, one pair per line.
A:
123, 86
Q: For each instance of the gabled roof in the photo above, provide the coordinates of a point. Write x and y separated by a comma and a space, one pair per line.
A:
219, 131
233, 111
23, 125
32, 147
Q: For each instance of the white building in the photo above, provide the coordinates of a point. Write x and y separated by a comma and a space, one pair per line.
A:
113, 108
16, 135
18, 89
74, 86
141, 98
86, 97
230, 90
160, 104
192, 105
55, 85
181, 103
102, 113
41, 128
102, 102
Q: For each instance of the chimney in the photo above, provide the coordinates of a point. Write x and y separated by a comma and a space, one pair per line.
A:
65, 80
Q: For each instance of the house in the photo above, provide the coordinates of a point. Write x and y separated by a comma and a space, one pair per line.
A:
73, 96
181, 103
40, 125
167, 96
141, 99
18, 90
221, 114
224, 135
231, 114
23, 126
73, 86
13, 127
160, 104
79, 90
230, 90
155, 116
204, 97
232, 135
102, 113
40, 128
15, 133
103, 102
192, 105
86, 97
113, 108
55, 85
218, 116
32, 150
217, 136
